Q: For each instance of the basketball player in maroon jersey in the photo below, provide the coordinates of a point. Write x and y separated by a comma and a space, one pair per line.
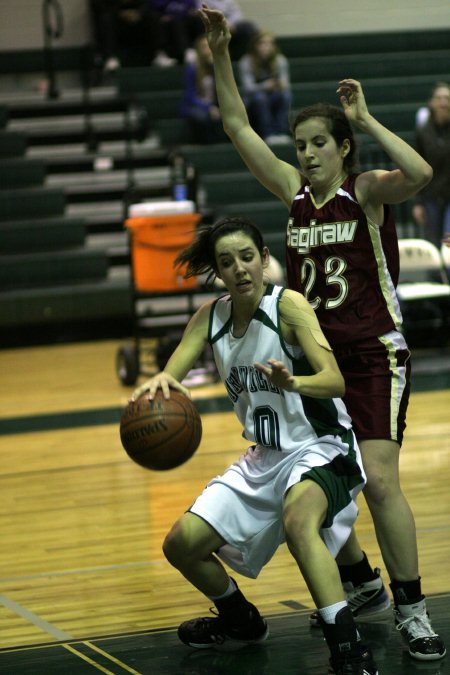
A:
342, 254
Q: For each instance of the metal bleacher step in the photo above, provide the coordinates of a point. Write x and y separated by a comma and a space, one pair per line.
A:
108, 155
101, 218
124, 186
47, 129
115, 244
29, 103
93, 182
75, 117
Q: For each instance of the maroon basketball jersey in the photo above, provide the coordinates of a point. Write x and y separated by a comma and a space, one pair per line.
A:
345, 265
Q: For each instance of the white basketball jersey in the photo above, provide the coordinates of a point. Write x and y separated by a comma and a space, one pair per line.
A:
271, 417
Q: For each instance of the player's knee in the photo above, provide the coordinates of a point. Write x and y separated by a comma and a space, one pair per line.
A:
304, 510
169, 549
380, 489
180, 548
298, 528
173, 547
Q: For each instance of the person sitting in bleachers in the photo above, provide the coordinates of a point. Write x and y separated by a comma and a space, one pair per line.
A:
126, 27
432, 207
242, 29
266, 88
199, 105
180, 26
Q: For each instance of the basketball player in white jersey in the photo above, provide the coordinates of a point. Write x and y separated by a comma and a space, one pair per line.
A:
298, 479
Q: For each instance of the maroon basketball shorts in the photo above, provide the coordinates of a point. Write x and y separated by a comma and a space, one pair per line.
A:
377, 374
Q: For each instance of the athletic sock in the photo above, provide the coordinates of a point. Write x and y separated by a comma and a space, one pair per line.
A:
406, 592
232, 587
358, 573
328, 613
234, 607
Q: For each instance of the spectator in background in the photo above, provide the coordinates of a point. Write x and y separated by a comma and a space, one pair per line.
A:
126, 26
199, 105
432, 207
180, 26
242, 30
266, 88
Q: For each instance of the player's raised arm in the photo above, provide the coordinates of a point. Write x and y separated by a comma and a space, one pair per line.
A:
281, 178
378, 186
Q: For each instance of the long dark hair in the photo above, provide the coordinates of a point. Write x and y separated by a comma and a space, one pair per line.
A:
200, 256
338, 126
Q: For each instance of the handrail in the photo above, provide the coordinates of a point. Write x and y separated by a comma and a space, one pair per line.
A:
53, 26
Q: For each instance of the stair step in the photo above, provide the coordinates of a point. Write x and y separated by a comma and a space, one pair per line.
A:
33, 104
71, 158
110, 180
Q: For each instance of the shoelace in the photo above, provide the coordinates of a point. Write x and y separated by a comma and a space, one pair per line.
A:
204, 626
417, 626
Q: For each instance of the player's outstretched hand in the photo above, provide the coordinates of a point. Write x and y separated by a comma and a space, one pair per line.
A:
163, 381
216, 28
278, 374
351, 96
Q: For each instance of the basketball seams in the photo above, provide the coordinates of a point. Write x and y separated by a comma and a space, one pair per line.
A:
147, 430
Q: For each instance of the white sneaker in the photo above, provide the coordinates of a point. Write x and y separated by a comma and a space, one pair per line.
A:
190, 56
367, 601
414, 625
112, 64
163, 61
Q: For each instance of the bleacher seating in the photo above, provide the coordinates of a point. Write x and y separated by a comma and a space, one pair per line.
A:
49, 278
164, 103
375, 43
50, 215
12, 144
22, 173
62, 310
58, 233
364, 65
31, 202
32, 270
377, 90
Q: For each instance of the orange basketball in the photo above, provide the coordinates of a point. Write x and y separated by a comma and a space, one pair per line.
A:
163, 433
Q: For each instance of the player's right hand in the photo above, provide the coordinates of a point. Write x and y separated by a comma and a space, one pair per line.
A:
216, 28
163, 381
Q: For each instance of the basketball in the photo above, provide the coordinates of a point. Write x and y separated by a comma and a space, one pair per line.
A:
163, 433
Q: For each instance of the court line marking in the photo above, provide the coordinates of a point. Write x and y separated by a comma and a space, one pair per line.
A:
112, 658
35, 619
61, 420
85, 570
59, 634
88, 660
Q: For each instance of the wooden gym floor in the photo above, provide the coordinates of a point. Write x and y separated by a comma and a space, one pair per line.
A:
84, 587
